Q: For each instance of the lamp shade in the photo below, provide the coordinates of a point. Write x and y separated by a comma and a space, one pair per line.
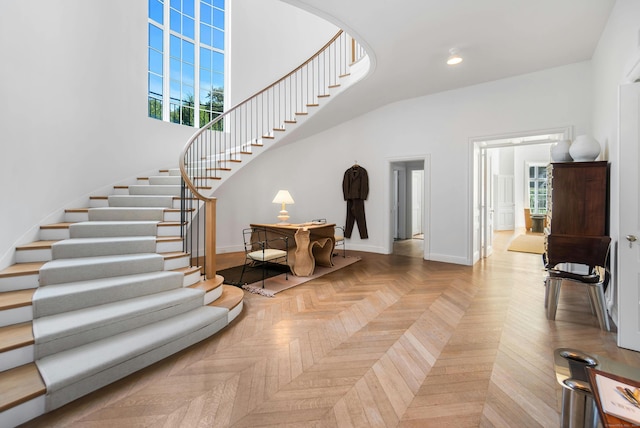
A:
283, 197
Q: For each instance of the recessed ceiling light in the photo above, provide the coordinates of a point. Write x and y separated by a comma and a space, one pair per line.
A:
454, 57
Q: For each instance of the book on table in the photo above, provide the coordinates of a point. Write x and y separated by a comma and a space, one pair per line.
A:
616, 396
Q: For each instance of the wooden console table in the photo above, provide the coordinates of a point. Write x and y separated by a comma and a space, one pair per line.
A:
310, 244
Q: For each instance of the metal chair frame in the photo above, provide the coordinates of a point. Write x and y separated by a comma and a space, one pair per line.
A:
591, 251
262, 251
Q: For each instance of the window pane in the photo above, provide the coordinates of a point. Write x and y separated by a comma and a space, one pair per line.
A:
155, 62
206, 14
218, 18
187, 74
187, 52
187, 8
175, 47
175, 20
187, 94
205, 78
218, 39
175, 69
219, 3
155, 11
176, 4
155, 85
218, 62
175, 91
205, 35
205, 58
218, 80
188, 28
155, 37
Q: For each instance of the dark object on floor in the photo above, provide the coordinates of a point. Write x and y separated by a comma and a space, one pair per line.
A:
232, 275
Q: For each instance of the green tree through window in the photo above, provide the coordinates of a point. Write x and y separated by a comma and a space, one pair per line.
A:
186, 51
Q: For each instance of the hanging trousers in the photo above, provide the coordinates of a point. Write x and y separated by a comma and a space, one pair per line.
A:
355, 213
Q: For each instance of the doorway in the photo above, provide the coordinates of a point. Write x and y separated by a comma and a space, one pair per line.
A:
408, 208
494, 160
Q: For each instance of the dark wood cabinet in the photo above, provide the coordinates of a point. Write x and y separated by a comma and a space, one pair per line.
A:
578, 198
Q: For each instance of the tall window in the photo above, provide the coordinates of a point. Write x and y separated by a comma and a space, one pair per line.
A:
186, 60
538, 189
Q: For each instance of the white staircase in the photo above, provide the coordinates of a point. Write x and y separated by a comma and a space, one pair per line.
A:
102, 295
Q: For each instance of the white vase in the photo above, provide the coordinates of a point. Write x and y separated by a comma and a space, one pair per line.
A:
560, 151
584, 148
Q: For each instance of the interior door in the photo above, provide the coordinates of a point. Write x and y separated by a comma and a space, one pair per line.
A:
629, 248
505, 202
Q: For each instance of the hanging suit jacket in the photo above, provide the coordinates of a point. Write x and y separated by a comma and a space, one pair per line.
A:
355, 184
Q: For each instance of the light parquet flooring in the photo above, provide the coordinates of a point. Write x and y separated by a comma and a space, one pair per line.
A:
390, 341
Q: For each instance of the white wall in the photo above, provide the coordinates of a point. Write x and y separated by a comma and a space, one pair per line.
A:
440, 125
73, 110
618, 45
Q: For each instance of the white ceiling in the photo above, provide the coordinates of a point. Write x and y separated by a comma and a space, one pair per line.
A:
409, 41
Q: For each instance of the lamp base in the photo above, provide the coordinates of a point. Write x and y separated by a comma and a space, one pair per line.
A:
283, 217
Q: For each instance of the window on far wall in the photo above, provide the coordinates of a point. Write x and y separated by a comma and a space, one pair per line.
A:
538, 188
186, 48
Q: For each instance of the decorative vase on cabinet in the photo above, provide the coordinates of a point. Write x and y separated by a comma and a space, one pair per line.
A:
584, 148
560, 151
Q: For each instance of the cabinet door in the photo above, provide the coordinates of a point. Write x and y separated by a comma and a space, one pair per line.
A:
579, 198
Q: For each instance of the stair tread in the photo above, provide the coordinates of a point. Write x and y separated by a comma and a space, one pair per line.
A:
208, 284
230, 298
22, 269
16, 336
73, 365
20, 384
36, 245
16, 299
64, 225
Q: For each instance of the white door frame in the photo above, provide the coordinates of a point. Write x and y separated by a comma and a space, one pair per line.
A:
478, 223
426, 202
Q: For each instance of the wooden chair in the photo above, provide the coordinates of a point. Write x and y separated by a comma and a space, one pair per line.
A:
338, 237
590, 251
261, 251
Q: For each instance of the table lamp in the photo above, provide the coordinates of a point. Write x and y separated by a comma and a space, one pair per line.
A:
283, 197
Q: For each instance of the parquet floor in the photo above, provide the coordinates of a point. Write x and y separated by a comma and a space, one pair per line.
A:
390, 341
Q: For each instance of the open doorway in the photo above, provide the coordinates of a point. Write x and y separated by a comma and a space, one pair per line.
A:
408, 208
501, 184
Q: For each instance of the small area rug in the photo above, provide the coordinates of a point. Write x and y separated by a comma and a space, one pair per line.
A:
278, 283
529, 243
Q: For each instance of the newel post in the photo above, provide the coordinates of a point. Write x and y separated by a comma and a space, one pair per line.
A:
210, 239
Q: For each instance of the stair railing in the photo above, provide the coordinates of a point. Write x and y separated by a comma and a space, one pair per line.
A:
253, 123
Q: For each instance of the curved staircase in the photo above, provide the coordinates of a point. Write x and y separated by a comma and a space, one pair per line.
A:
104, 294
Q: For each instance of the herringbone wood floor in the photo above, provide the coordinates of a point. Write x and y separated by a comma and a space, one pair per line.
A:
390, 341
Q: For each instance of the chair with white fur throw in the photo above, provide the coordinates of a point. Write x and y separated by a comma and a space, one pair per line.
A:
262, 250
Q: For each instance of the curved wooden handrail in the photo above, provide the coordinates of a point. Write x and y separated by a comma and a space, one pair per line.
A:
197, 155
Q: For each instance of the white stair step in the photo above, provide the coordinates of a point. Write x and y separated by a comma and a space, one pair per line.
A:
54, 232
165, 179
169, 245
58, 298
57, 333
93, 247
175, 261
96, 229
126, 214
82, 269
77, 372
165, 189
164, 201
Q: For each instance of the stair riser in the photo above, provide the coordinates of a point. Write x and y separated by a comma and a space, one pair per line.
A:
45, 255
56, 299
54, 234
162, 201
64, 271
112, 229
164, 180
86, 330
168, 230
16, 357
138, 189
94, 247
98, 202
76, 217
20, 282
212, 295
176, 263
16, 316
191, 279
23, 412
